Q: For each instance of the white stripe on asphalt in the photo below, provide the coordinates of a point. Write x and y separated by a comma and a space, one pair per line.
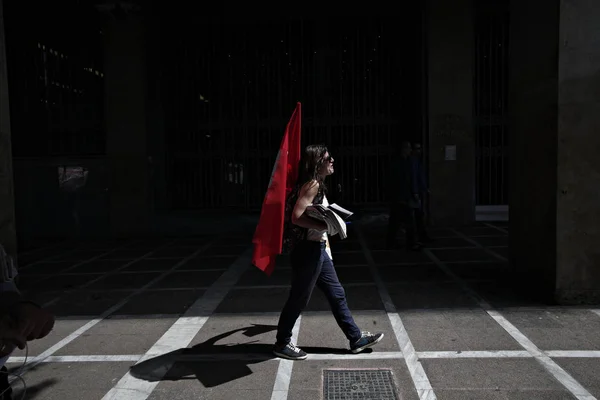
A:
181, 333
417, 373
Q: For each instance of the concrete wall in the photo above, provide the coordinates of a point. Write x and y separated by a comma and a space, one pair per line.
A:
450, 107
578, 160
533, 129
555, 168
8, 236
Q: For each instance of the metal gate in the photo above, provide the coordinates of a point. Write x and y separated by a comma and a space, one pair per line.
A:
56, 90
231, 86
491, 103
55, 79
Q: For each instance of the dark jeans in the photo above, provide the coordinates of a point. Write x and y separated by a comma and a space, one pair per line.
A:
311, 265
401, 214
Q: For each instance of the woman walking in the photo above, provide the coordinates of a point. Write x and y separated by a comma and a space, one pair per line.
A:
310, 257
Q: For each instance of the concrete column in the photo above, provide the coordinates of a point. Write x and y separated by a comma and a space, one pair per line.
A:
578, 179
126, 123
533, 88
555, 168
449, 27
8, 235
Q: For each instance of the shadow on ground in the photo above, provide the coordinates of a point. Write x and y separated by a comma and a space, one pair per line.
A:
196, 363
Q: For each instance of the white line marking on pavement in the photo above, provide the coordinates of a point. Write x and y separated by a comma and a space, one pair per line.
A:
87, 358
478, 245
380, 355
597, 312
573, 353
475, 354
119, 272
497, 228
417, 373
281, 387
62, 343
182, 332
552, 367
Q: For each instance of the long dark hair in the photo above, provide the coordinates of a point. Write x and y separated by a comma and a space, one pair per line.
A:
311, 162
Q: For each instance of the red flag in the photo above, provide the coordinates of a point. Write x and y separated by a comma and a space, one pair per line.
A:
269, 231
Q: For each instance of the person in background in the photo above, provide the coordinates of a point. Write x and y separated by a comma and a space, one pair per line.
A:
423, 191
21, 321
404, 198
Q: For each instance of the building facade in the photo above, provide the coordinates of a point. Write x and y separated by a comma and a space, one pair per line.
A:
159, 112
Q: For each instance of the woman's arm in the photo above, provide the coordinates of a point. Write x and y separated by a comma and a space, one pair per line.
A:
305, 199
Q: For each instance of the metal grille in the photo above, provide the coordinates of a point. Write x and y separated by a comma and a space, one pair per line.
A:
231, 86
55, 79
491, 101
359, 384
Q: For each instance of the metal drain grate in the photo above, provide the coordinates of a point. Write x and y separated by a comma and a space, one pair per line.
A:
363, 384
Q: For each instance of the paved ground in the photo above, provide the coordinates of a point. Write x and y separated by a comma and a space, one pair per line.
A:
197, 322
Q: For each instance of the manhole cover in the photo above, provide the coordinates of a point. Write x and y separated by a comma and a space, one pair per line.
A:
364, 384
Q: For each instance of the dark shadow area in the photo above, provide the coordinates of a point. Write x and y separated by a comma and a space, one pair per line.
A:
32, 391
88, 278
36, 391
214, 364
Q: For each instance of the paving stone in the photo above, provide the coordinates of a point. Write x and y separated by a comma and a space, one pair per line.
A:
100, 266
188, 279
45, 268
226, 250
492, 241
320, 330
462, 255
62, 282
124, 281
492, 271
87, 303
429, 295
399, 257
175, 302
456, 330
412, 273
449, 242
120, 335
231, 357
489, 374
567, 329
128, 254
208, 262
63, 327
73, 381
153, 265
584, 370
273, 299
215, 379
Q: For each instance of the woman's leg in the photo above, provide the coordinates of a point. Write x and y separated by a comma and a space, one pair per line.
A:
329, 283
306, 265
